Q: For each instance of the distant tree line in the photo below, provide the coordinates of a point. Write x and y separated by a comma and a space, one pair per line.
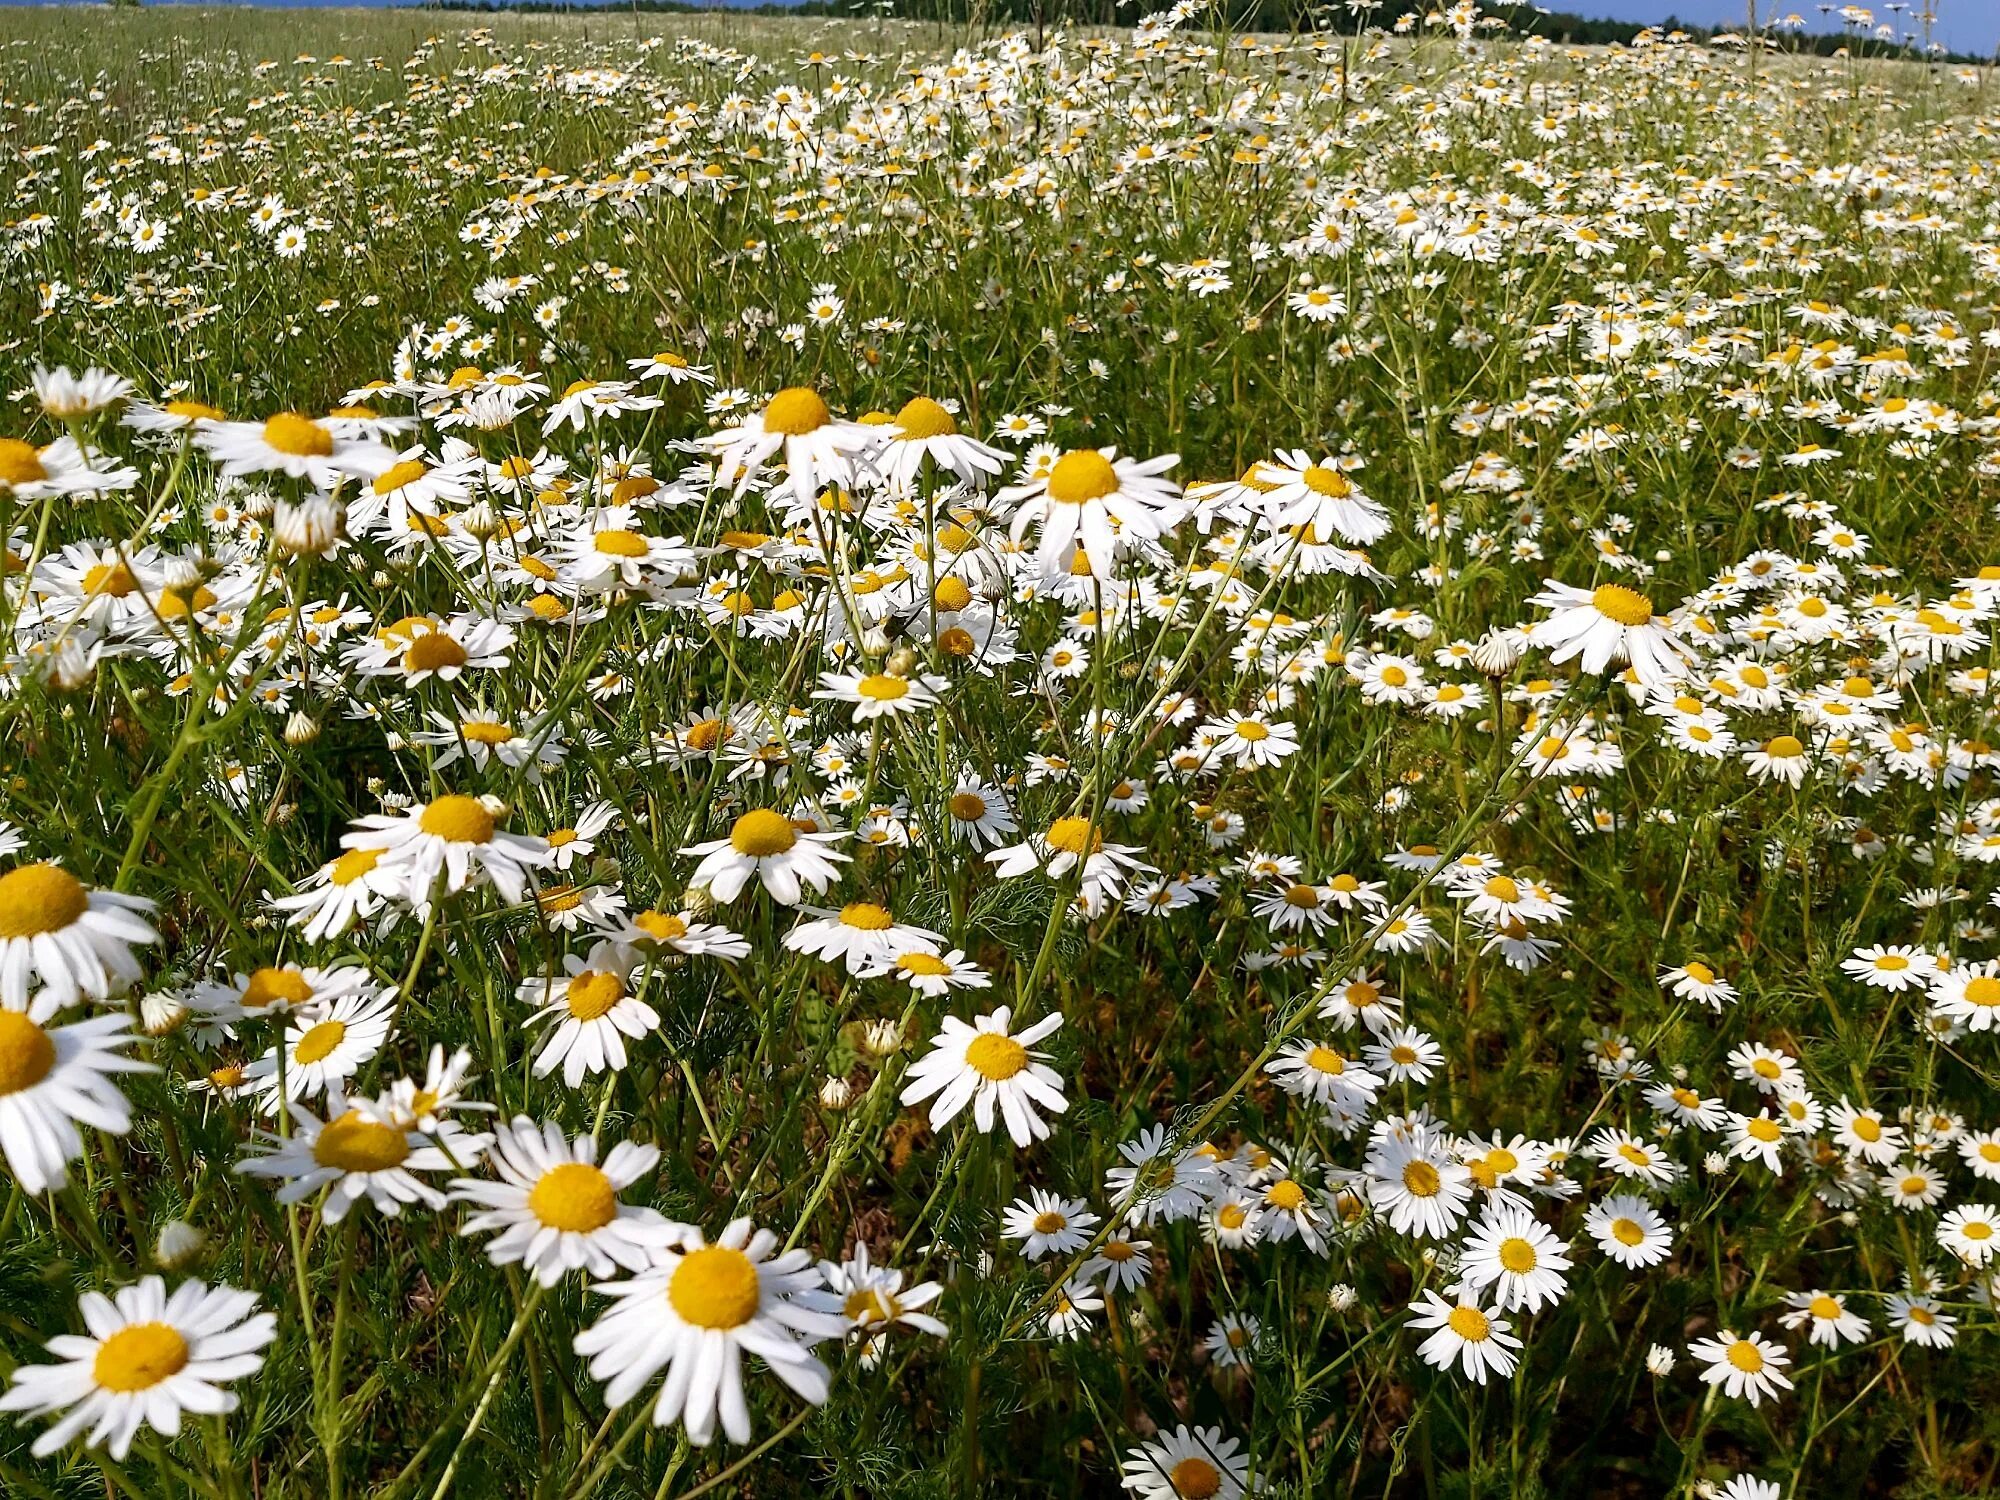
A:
1281, 16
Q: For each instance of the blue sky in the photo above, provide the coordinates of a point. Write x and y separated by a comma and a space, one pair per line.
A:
1965, 25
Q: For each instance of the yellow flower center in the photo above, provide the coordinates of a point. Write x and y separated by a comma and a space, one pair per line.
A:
995, 1057
297, 436
1746, 1356
354, 1143
1625, 606
1503, 888
35, 899
620, 543
1518, 1256
761, 833
1976, 1229
967, 807
1422, 1179
1285, 1194
1981, 990
20, 463
1081, 476
882, 688
1251, 730
458, 820
662, 927
1764, 1129
435, 652
922, 964
716, 1287
1050, 1222
922, 417
1195, 1479
1470, 1324
352, 865
139, 1356
575, 1197
592, 993
317, 1044
796, 411
486, 732
866, 916
192, 411
1628, 1232
27, 1053
1823, 1306
109, 581
1326, 1060
393, 478
1074, 836
1867, 1128
1330, 482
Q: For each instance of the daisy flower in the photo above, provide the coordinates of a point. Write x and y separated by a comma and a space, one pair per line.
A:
53, 1079
1158, 1186
1894, 967
1068, 1317
978, 812
597, 1011
818, 450
1319, 495
1232, 1340
1187, 1464
1971, 1232
986, 1067
873, 1299
1516, 1255
1312, 1070
861, 934
324, 1046
145, 1359
1966, 993
1048, 1224
1750, 1368
1415, 1181
1479, 1341
72, 940
345, 890
453, 836
924, 429
695, 1314
359, 1153
1921, 1321
881, 695
1092, 499
765, 843
294, 444
931, 973
557, 1210
1629, 1230
681, 932
1611, 623
1826, 1317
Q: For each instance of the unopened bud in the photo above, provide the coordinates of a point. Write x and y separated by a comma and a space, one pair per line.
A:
311, 528
180, 1242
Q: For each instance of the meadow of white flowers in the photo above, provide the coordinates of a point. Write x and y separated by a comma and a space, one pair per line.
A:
795, 758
